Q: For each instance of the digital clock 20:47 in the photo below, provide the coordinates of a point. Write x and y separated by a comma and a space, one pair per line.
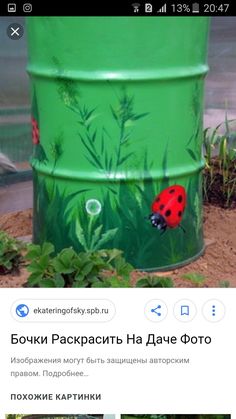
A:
216, 8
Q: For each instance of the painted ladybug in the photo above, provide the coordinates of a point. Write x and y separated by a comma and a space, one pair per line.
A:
168, 208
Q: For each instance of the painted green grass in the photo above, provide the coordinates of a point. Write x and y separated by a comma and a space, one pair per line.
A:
61, 217
51, 222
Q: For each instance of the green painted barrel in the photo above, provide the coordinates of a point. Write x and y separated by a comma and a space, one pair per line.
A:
117, 105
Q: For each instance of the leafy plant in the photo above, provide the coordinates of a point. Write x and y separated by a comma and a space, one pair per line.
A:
56, 150
220, 172
113, 282
103, 268
224, 284
10, 253
93, 238
195, 278
94, 141
125, 116
155, 282
96, 269
50, 202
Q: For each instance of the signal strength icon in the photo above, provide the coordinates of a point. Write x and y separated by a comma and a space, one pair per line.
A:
162, 9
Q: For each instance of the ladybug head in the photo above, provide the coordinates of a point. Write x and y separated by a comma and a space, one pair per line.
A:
158, 221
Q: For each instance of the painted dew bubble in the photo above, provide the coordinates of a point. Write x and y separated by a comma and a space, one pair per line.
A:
93, 207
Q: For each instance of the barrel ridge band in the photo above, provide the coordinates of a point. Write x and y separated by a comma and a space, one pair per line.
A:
163, 74
98, 176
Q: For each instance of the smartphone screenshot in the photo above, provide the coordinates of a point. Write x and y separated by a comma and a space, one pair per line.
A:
117, 210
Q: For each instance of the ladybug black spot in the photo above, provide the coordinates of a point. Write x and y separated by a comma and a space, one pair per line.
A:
180, 198
167, 213
157, 199
171, 190
162, 207
180, 213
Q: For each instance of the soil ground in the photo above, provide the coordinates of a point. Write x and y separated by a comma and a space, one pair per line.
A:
216, 265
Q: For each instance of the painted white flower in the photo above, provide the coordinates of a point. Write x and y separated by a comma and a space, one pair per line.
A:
93, 207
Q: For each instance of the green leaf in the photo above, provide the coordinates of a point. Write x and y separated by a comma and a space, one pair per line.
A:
92, 153
122, 267
224, 284
36, 273
113, 254
68, 255
142, 283
59, 267
86, 269
40, 154
10, 252
89, 113
59, 280
104, 284
80, 235
96, 236
78, 277
80, 284
125, 158
106, 237
114, 114
34, 267
64, 262
192, 154
116, 282
34, 251
43, 262
47, 283
195, 277
154, 282
110, 164
7, 264
141, 115
102, 145
93, 280
125, 138
35, 278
